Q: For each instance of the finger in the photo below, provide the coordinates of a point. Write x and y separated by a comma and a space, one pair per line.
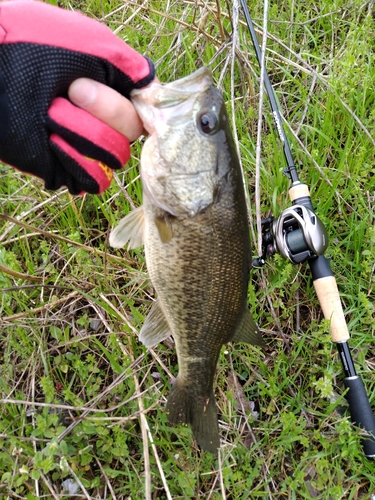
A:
108, 105
83, 174
90, 136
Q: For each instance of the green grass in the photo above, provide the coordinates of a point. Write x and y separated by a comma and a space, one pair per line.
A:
67, 327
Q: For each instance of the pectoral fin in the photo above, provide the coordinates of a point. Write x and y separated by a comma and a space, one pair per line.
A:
164, 227
247, 331
130, 229
155, 328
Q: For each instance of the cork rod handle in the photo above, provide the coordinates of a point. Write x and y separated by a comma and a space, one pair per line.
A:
329, 298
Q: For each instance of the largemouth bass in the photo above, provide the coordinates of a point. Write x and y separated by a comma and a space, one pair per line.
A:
193, 224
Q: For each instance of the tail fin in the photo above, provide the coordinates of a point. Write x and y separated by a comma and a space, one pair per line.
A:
184, 407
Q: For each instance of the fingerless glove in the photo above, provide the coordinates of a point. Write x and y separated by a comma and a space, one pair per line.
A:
43, 49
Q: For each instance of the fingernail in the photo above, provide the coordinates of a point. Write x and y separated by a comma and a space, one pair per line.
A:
83, 92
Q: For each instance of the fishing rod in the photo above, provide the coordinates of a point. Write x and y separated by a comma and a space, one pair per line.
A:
300, 236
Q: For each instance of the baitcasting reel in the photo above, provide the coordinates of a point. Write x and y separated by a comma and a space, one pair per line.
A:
297, 234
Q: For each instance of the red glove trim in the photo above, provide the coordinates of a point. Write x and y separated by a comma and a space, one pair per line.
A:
39, 23
88, 134
96, 170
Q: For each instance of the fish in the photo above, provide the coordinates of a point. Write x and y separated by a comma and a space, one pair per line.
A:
194, 227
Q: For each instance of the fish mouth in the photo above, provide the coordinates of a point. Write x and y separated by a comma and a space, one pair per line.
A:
172, 93
180, 90
160, 103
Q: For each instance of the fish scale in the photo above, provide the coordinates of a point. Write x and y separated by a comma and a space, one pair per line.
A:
197, 243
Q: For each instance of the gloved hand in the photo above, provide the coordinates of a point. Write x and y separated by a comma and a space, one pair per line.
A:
43, 49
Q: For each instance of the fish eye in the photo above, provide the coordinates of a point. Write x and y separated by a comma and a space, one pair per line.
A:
207, 122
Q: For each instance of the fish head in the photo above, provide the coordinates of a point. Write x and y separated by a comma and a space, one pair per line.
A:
183, 159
